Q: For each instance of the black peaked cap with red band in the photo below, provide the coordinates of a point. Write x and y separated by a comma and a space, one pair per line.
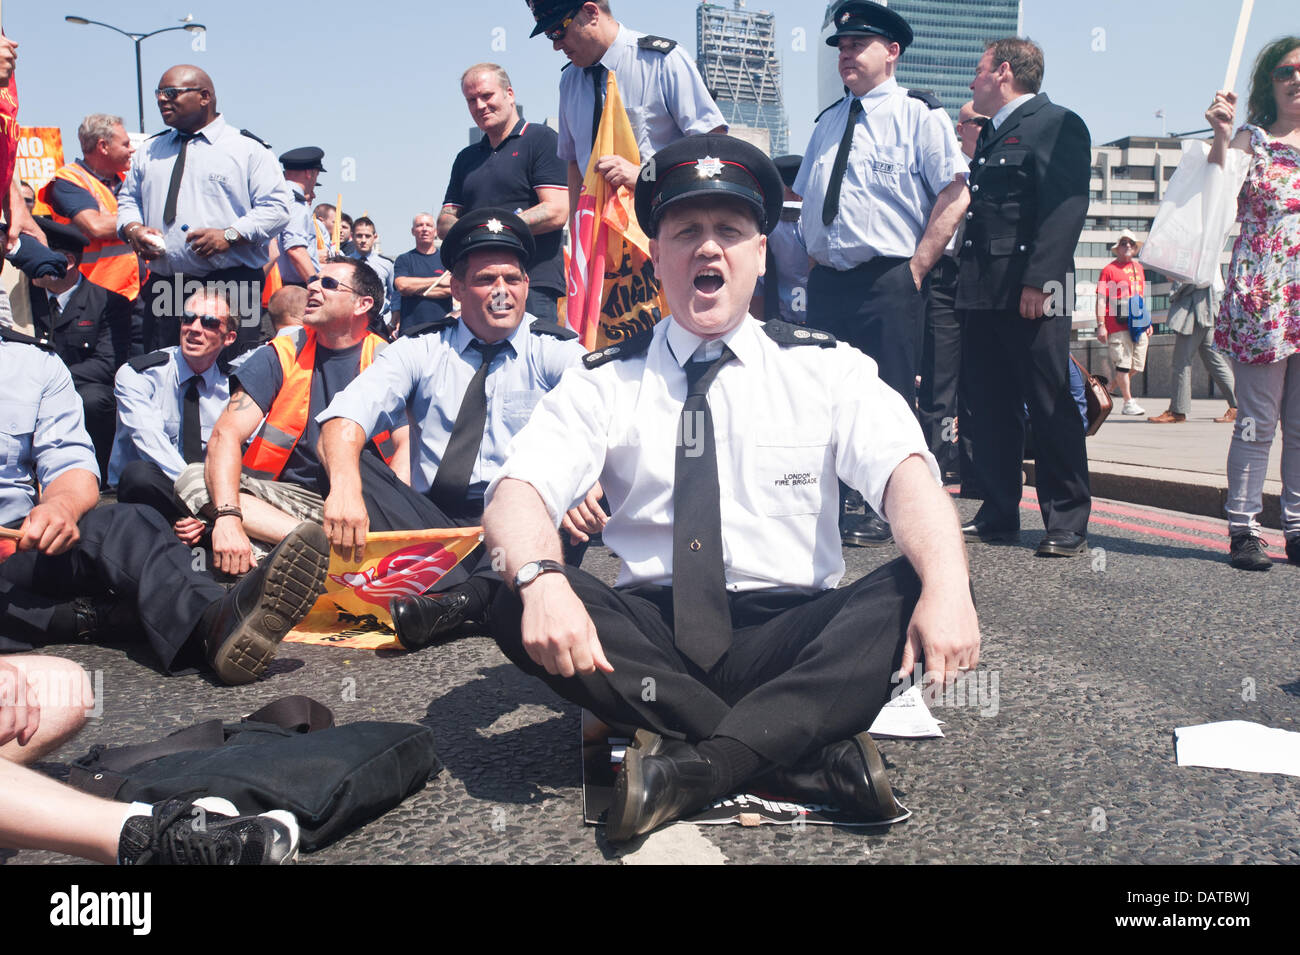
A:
709, 165
488, 229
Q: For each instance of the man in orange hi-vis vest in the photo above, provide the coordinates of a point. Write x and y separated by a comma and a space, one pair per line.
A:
84, 194
275, 396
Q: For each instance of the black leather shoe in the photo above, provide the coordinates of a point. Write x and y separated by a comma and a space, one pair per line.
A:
242, 631
1249, 553
661, 780
1293, 548
870, 530
421, 621
1062, 544
100, 618
977, 531
849, 775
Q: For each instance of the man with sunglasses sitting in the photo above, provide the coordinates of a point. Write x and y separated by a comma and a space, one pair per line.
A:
167, 404
275, 396
201, 201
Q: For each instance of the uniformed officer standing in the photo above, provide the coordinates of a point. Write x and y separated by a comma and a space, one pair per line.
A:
883, 189
167, 404
470, 385
70, 548
662, 91
783, 288
303, 240
212, 197
719, 441
365, 235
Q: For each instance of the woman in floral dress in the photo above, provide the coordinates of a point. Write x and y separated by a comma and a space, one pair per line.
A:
1259, 323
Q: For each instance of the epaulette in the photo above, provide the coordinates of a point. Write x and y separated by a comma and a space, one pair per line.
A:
566, 66
437, 325
151, 360
9, 335
927, 97
657, 43
157, 134
628, 348
788, 333
829, 108
543, 327
254, 136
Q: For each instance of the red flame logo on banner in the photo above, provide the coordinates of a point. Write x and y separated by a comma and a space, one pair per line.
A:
403, 573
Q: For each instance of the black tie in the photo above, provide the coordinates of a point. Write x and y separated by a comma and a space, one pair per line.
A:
191, 429
451, 483
701, 615
832, 204
174, 187
597, 74
55, 311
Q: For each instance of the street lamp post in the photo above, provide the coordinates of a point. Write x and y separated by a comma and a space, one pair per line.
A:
137, 39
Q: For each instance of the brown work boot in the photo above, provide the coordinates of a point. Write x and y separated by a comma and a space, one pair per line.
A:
1167, 417
1228, 416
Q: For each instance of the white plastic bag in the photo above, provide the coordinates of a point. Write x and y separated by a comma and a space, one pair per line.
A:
1196, 215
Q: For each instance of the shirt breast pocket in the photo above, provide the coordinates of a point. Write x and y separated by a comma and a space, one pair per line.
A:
884, 165
788, 471
17, 424
517, 408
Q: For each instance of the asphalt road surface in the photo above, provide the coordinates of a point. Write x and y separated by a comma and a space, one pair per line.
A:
1066, 756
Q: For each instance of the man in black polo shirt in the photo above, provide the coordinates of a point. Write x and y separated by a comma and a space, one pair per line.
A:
514, 165
421, 281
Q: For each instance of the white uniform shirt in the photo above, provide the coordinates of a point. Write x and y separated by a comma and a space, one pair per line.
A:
903, 155
788, 421
663, 93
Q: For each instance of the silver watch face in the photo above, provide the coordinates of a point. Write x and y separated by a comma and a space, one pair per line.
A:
528, 572
231, 235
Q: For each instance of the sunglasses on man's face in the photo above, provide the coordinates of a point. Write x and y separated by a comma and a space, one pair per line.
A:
1286, 71
330, 284
171, 92
211, 322
556, 34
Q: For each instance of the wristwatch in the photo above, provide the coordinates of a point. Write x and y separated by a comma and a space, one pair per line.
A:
534, 569
231, 235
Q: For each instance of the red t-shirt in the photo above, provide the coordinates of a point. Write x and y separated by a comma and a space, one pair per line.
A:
1116, 284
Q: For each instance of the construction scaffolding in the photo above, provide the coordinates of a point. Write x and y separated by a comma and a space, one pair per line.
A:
737, 58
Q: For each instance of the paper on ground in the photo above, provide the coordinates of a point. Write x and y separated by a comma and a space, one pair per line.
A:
906, 715
1238, 744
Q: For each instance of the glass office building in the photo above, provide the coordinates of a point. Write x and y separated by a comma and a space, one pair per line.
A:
736, 55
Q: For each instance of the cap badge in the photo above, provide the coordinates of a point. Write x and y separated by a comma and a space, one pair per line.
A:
494, 226
708, 167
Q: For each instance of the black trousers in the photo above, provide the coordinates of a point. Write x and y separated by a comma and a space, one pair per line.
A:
802, 671
544, 303
143, 482
163, 297
101, 421
941, 399
1009, 362
877, 309
126, 551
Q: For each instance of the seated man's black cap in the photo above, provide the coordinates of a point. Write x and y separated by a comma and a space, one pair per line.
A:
304, 157
62, 238
863, 18
788, 167
550, 13
488, 229
709, 165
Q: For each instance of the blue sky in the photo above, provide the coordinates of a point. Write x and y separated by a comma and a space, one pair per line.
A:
376, 84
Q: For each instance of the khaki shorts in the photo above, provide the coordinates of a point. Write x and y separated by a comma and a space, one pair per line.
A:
1126, 354
296, 501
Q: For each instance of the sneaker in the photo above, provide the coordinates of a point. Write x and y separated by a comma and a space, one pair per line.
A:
1293, 548
1248, 553
1132, 407
207, 831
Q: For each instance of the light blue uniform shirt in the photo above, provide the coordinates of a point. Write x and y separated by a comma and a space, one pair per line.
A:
427, 376
663, 93
786, 244
42, 426
150, 411
300, 233
903, 155
230, 181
